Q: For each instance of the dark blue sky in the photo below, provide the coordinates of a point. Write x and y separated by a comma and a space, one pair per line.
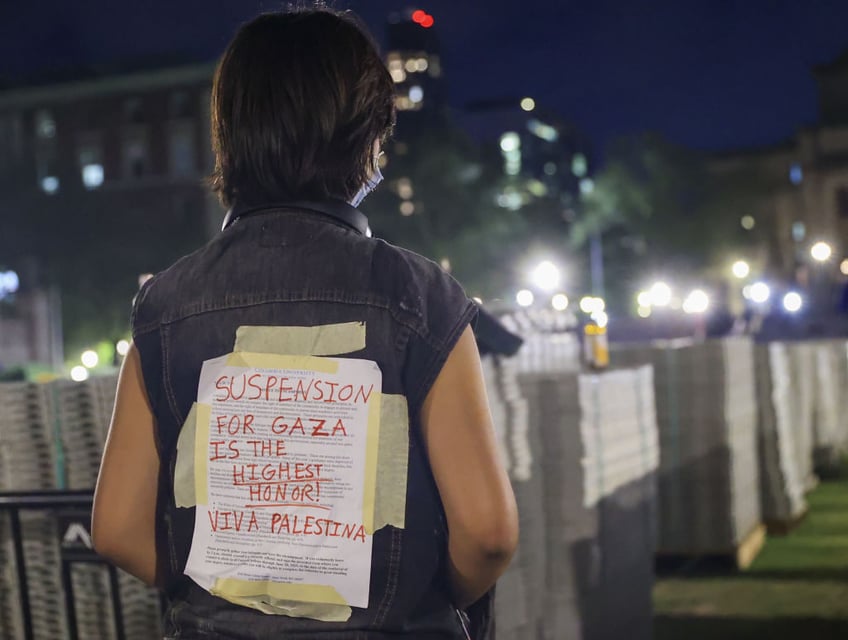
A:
714, 74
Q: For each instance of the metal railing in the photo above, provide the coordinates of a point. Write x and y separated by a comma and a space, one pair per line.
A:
72, 512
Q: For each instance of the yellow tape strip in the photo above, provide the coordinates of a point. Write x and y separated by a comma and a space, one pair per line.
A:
184, 465
271, 606
392, 462
317, 593
372, 446
322, 340
274, 361
201, 452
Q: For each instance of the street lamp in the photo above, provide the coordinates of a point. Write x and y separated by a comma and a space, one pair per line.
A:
696, 302
524, 298
660, 294
792, 302
560, 302
821, 251
545, 276
760, 292
741, 269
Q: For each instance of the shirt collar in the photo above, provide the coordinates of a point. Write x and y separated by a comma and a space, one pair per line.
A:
338, 210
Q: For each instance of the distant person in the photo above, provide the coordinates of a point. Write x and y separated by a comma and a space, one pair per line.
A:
301, 105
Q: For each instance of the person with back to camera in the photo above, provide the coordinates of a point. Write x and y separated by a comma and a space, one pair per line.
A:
301, 104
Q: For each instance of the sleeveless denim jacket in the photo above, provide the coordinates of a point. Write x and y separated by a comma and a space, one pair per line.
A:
300, 265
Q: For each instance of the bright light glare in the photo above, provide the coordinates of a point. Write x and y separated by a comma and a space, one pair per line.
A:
792, 302
79, 373
601, 318
843, 267
748, 222
528, 104
510, 141
821, 251
644, 311
560, 302
741, 269
122, 347
588, 304
416, 94
643, 299
660, 294
89, 358
524, 298
545, 275
477, 300
696, 302
759, 292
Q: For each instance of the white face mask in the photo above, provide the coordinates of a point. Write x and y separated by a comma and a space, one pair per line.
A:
369, 186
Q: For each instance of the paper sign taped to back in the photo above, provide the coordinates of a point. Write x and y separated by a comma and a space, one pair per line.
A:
285, 477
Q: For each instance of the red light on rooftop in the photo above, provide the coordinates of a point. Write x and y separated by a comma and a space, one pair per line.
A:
427, 22
418, 16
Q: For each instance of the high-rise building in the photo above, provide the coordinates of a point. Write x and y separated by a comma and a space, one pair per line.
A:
413, 57
541, 155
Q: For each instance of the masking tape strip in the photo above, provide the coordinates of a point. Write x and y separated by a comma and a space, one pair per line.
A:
372, 448
392, 462
273, 361
317, 593
184, 466
322, 340
201, 452
320, 602
271, 606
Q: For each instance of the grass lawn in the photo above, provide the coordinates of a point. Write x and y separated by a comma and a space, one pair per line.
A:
797, 588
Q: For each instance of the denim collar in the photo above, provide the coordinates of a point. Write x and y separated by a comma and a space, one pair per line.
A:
339, 210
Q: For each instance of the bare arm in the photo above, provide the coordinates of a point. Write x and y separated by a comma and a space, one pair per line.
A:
473, 484
123, 519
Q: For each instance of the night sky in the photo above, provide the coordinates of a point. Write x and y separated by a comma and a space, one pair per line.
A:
714, 74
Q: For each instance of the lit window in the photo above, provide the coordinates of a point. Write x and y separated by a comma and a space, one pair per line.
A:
398, 75
50, 184
416, 94
542, 130
510, 141
45, 125
799, 231
796, 173
47, 169
91, 162
579, 166
92, 175
181, 150
404, 188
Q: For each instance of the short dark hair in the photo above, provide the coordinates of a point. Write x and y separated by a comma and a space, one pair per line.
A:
298, 100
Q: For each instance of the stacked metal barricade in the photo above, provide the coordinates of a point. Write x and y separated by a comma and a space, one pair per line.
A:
582, 452
52, 436
782, 480
707, 417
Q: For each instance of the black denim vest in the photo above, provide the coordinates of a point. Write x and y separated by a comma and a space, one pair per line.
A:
300, 265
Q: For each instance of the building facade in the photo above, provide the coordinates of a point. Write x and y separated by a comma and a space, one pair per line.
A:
101, 180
